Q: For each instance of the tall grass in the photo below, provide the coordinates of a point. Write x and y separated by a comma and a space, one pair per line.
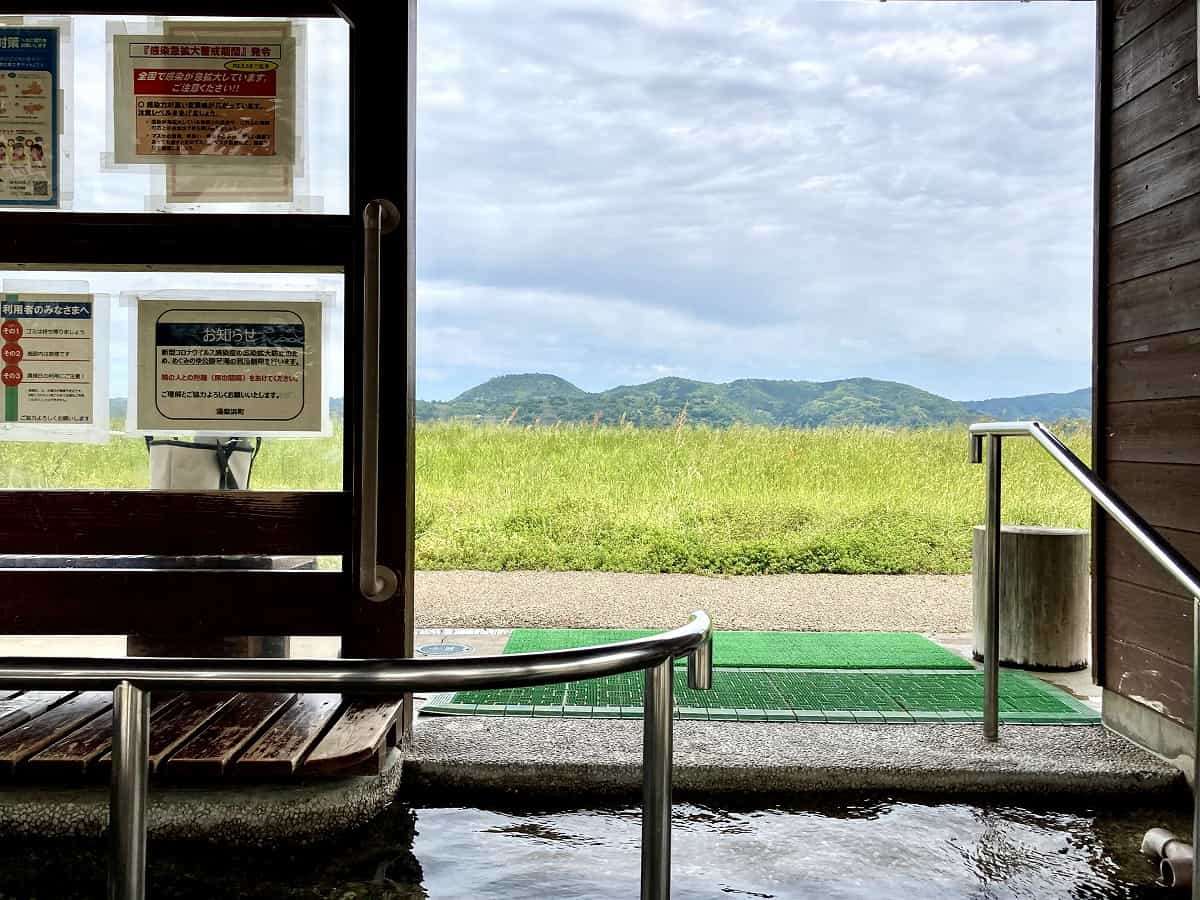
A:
736, 501
686, 499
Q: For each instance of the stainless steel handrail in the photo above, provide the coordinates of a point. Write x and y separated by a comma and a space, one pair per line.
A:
1143, 533
132, 679
375, 582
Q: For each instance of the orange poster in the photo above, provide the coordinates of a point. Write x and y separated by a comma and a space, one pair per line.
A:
183, 98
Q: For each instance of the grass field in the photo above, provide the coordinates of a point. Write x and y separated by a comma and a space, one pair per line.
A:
739, 501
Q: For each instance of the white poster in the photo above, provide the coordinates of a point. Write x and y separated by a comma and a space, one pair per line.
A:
47, 359
229, 367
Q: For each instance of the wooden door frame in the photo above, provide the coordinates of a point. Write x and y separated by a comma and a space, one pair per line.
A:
65, 601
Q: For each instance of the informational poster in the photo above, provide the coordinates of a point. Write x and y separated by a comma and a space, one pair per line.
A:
203, 98
192, 181
29, 116
47, 358
229, 366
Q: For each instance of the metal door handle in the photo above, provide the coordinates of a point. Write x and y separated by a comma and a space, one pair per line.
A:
375, 582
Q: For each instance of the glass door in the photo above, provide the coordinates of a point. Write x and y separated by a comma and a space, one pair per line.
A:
206, 281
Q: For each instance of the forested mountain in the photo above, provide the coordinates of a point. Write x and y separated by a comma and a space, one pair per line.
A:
1046, 407
547, 399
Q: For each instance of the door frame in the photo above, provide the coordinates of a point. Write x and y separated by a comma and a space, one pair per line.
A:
229, 602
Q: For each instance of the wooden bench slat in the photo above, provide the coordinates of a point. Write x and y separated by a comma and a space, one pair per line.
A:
211, 751
283, 745
75, 752
177, 725
42, 731
21, 709
357, 742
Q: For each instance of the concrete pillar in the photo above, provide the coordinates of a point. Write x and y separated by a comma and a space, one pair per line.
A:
1045, 601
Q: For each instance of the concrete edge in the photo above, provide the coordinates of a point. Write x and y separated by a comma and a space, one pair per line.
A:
564, 757
248, 815
1151, 730
583, 780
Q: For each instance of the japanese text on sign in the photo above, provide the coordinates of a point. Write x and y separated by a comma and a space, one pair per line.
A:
235, 365
28, 116
179, 99
47, 358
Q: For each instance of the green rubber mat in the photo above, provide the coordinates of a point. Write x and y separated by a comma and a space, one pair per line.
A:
772, 649
789, 696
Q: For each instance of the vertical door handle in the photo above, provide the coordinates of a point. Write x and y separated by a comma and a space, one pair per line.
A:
375, 582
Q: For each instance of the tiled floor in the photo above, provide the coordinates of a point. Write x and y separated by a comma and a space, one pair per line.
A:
1078, 684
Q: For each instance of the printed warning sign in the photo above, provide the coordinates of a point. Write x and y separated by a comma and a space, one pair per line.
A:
47, 358
233, 366
191, 98
29, 116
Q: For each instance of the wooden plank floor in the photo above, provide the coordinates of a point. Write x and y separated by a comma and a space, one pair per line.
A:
57, 736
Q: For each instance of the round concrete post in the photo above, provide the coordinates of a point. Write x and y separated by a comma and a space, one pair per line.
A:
1045, 602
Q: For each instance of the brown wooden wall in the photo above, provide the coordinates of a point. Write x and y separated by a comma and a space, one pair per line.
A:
1147, 338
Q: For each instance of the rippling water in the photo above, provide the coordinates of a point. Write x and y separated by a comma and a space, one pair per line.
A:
873, 850
842, 849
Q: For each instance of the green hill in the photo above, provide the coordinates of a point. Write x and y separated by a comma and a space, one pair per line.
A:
1049, 407
547, 399
527, 399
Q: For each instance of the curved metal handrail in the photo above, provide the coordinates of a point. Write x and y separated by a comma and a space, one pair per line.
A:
369, 676
132, 679
1145, 534
1142, 532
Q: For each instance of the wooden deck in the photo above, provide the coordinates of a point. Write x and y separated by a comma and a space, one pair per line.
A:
56, 736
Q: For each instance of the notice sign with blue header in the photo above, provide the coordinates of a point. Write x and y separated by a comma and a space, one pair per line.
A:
229, 367
29, 116
47, 358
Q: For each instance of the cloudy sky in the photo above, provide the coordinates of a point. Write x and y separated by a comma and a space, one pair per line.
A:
616, 191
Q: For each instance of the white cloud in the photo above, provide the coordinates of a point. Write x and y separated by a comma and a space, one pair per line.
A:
805, 190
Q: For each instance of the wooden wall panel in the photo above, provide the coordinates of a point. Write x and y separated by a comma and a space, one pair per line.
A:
1147, 618
176, 523
1168, 496
1157, 368
193, 603
1126, 560
1150, 679
1156, 53
1161, 303
1132, 17
1159, 240
1146, 425
1165, 111
1157, 178
1156, 431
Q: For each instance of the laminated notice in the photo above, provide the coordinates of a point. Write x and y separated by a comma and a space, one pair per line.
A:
47, 358
229, 366
179, 98
29, 116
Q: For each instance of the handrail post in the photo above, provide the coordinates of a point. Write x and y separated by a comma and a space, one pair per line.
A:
991, 619
1195, 738
657, 713
700, 666
127, 802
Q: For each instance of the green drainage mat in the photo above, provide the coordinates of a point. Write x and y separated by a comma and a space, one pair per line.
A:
772, 649
789, 696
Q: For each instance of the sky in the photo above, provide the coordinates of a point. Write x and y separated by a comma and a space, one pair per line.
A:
623, 190
619, 191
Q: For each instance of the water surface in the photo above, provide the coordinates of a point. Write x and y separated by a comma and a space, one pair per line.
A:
834, 849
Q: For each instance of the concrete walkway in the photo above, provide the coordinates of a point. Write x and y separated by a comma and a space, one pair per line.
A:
551, 756
924, 603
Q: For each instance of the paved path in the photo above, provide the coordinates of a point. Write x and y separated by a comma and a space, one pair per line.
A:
926, 603
561, 756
